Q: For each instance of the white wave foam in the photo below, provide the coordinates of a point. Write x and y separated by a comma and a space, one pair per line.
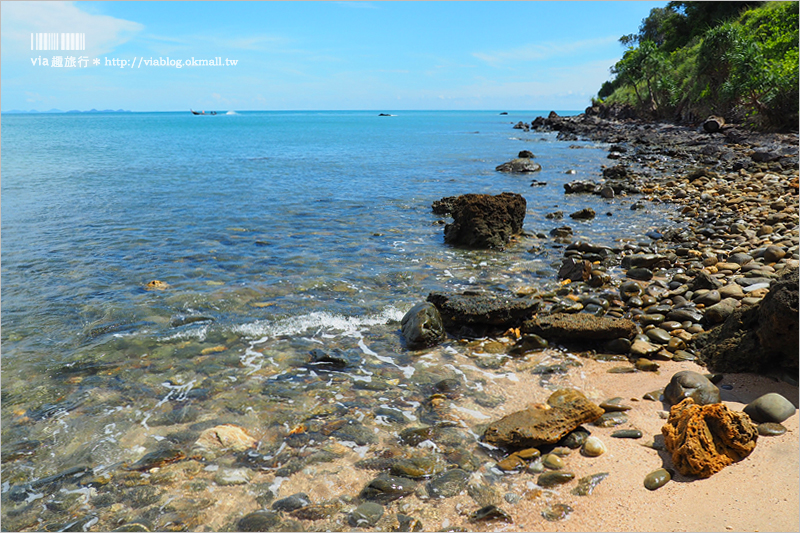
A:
231, 113
319, 321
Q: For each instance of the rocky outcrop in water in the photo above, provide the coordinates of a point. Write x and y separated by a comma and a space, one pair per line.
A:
566, 409
478, 313
705, 439
521, 164
422, 326
484, 221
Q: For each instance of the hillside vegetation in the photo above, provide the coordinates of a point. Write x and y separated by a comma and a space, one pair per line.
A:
738, 60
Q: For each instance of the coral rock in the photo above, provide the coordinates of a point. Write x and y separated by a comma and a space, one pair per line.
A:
705, 439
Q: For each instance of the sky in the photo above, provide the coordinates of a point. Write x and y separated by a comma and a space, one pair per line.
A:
313, 55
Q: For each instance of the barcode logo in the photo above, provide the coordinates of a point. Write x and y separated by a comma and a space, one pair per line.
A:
58, 41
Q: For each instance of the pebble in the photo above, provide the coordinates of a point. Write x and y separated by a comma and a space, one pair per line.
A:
365, 515
593, 447
554, 462
771, 429
657, 479
259, 521
627, 434
658, 335
653, 396
551, 479
386, 488
614, 404
575, 438
489, 513
556, 512
646, 365
233, 476
448, 484
586, 485
291, 503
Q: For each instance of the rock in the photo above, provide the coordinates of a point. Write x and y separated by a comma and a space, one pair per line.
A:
771, 407
713, 124
551, 479
773, 254
556, 512
233, 476
607, 192
422, 326
719, 312
292, 503
385, 488
760, 338
259, 521
448, 484
771, 429
366, 515
657, 479
584, 214
575, 270
566, 409
704, 281
708, 299
489, 513
482, 311
580, 186
593, 447
580, 327
526, 154
485, 221
688, 384
627, 434
521, 164
156, 285
444, 206
704, 439
224, 438
586, 485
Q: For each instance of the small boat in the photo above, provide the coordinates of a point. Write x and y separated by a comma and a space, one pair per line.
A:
202, 112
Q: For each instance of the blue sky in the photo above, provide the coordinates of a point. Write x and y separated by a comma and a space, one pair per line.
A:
318, 55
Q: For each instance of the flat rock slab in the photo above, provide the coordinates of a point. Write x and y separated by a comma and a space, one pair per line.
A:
485, 310
566, 409
579, 327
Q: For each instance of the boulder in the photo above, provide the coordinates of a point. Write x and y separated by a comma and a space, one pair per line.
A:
422, 326
482, 311
579, 327
688, 384
584, 214
521, 164
485, 221
762, 338
704, 439
713, 124
566, 409
771, 407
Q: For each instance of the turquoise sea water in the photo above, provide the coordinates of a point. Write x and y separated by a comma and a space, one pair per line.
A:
276, 232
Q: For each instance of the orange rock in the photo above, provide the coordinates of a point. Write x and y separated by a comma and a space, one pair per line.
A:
156, 285
704, 439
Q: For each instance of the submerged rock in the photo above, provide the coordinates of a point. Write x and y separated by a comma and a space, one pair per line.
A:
422, 326
566, 410
704, 439
485, 221
520, 164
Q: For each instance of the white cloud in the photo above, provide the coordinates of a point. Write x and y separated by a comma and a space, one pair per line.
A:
540, 52
20, 19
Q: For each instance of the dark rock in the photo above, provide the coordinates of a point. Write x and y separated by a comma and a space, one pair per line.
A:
259, 521
704, 439
489, 513
719, 312
584, 214
704, 281
521, 164
448, 484
640, 273
527, 154
485, 221
579, 186
713, 124
575, 270
444, 206
771, 407
422, 326
334, 359
580, 327
482, 310
535, 426
366, 515
771, 429
291, 503
688, 384
385, 488
761, 338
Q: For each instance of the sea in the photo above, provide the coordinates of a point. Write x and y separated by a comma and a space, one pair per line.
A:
161, 271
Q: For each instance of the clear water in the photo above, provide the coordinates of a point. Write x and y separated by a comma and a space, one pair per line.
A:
277, 232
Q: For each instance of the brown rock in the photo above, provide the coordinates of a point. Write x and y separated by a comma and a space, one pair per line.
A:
579, 327
566, 409
705, 439
485, 221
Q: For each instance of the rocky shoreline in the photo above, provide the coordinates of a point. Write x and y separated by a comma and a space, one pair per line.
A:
534, 410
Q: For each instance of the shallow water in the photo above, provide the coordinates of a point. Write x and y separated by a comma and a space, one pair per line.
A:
276, 233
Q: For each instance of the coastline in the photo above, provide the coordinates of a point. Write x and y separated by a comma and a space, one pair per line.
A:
744, 496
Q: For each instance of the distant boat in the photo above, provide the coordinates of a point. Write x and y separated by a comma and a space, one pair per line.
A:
202, 112
504, 113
